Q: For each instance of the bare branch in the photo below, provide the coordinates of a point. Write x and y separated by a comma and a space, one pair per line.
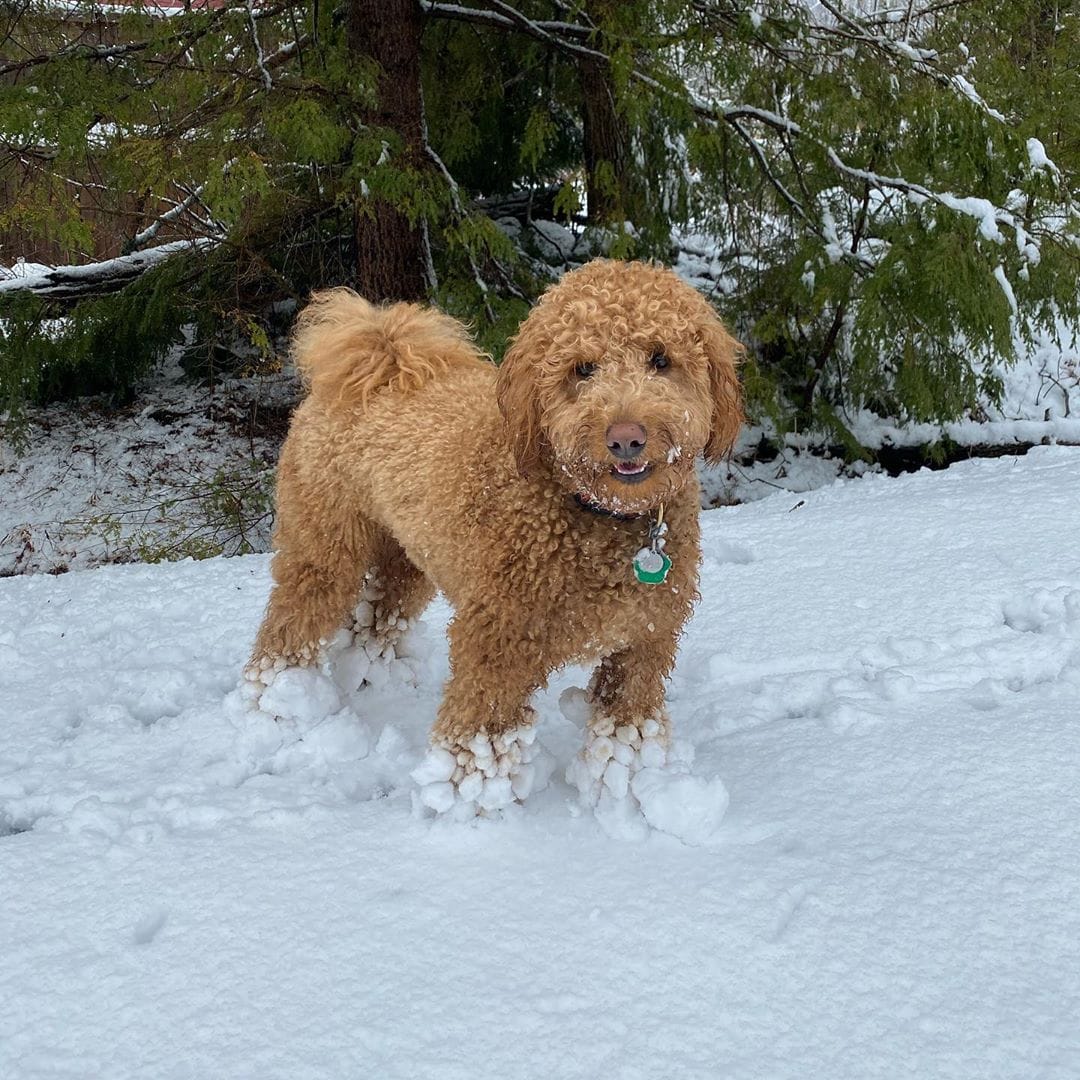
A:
38, 151
759, 153
554, 34
177, 211
259, 58
77, 51
459, 210
185, 38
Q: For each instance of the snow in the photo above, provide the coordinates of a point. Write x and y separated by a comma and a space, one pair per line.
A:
1038, 157
880, 683
967, 90
689, 807
1006, 287
1040, 403
23, 270
556, 242
982, 210
92, 483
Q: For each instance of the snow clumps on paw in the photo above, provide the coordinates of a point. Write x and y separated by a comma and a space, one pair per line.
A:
614, 752
373, 651
264, 672
626, 774
379, 626
301, 694
482, 776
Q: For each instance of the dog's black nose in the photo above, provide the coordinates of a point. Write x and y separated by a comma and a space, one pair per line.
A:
625, 440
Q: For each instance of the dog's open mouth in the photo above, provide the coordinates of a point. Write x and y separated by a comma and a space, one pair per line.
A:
631, 471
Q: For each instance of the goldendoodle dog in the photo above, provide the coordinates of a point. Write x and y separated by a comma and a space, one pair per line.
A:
553, 500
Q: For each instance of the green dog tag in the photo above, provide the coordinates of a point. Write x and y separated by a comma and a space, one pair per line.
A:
651, 567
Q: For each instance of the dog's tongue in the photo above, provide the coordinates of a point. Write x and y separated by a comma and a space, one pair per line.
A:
628, 468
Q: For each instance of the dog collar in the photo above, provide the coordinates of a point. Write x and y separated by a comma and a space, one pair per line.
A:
603, 511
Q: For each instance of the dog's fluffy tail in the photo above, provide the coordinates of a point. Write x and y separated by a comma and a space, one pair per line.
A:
346, 348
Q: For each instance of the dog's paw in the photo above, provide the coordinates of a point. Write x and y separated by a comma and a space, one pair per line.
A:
614, 753
481, 776
375, 650
300, 693
378, 621
633, 781
374, 622
264, 671
605, 771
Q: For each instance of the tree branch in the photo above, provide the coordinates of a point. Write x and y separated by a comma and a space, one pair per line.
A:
259, 58
989, 216
74, 283
177, 211
509, 18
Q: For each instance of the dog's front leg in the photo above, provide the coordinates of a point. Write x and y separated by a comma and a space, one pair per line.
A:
482, 746
628, 728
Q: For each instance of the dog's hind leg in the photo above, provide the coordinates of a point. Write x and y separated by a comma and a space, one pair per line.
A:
323, 548
394, 595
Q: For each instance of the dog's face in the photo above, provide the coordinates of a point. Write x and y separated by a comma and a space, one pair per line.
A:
620, 376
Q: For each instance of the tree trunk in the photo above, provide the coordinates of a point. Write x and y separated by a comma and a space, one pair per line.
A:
605, 146
608, 169
391, 254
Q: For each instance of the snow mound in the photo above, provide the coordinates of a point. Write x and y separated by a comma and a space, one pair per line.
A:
1045, 610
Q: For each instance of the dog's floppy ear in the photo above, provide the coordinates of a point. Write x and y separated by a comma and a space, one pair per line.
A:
518, 396
724, 355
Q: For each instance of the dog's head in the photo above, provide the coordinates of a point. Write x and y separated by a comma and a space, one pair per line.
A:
619, 377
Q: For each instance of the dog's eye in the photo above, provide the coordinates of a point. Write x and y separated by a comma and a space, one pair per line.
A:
585, 371
658, 361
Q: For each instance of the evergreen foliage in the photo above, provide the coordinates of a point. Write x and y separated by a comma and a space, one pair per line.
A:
885, 216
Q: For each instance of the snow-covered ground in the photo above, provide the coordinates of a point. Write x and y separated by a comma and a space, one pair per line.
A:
883, 673
179, 471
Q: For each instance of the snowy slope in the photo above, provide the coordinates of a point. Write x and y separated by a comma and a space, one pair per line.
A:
884, 674
152, 480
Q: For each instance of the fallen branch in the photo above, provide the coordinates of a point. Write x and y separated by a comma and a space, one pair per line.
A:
74, 283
